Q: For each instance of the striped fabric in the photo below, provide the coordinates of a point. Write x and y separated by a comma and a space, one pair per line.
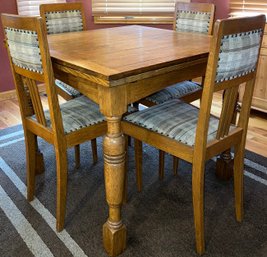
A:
238, 55
131, 109
174, 92
61, 22
65, 87
24, 49
64, 21
174, 119
189, 21
77, 113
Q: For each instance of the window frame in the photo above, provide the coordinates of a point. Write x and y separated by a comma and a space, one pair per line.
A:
128, 17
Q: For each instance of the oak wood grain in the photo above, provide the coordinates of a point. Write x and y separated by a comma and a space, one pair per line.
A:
115, 53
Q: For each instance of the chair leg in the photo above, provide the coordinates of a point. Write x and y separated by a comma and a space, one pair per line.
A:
129, 141
198, 191
138, 162
77, 156
61, 160
94, 150
238, 181
39, 161
126, 171
175, 165
161, 164
40, 168
31, 150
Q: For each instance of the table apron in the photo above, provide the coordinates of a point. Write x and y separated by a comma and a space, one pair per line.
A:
137, 86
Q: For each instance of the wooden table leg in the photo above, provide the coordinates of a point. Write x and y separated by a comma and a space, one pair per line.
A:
225, 161
114, 232
224, 165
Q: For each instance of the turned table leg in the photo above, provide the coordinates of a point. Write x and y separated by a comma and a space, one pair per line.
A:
225, 161
224, 165
114, 232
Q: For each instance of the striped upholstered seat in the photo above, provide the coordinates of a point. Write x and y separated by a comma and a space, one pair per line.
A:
77, 113
174, 119
174, 92
191, 18
67, 88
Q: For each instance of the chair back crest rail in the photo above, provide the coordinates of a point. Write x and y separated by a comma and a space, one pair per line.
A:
63, 17
233, 60
30, 61
194, 17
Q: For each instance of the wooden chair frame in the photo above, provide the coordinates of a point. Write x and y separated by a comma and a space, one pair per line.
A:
203, 150
30, 104
56, 7
45, 8
194, 7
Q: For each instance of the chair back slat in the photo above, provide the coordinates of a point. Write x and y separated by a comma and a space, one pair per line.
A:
194, 17
227, 113
36, 100
61, 18
24, 97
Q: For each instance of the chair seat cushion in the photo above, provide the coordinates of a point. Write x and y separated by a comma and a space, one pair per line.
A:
174, 92
78, 113
174, 119
67, 88
131, 109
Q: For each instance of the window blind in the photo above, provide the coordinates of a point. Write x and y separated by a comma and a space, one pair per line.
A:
247, 7
31, 7
133, 11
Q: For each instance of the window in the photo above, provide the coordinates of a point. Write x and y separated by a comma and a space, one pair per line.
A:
133, 11
31, 7
244, 7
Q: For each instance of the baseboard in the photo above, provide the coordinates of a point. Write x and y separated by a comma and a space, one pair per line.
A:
6, 95
11, 94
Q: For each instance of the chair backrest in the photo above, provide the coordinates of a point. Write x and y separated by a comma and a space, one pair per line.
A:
233, 60
64, 17
194, 17
30, 61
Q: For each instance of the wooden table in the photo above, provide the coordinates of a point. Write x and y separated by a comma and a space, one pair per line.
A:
118, 66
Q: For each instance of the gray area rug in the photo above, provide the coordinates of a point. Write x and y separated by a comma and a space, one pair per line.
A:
159, 220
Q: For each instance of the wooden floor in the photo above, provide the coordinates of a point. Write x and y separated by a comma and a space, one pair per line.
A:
256, 138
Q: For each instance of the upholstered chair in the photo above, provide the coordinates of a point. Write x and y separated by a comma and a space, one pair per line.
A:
64, 18
188, 18
66, 125
192, 133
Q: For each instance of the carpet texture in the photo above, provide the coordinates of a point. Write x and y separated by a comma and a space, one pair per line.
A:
159, 220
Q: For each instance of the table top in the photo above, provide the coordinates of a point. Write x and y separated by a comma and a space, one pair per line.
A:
115, 53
